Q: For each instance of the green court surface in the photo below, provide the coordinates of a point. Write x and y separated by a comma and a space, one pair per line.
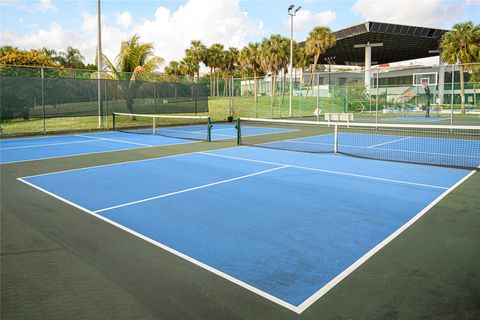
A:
60, 263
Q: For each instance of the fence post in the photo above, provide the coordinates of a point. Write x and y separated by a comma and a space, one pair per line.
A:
318, 92
233, 100
43, 102
106, 104
196, 95
155, 97
453, 92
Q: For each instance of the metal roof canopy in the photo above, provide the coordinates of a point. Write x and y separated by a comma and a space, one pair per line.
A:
400, 43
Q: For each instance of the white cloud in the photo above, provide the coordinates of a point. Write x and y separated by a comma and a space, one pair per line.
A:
46, 5
170, 31
55, 37
219, 21
42, 6
306, 20
431, 13
124, 19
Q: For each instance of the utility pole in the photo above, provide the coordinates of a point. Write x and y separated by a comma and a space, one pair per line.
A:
291, 11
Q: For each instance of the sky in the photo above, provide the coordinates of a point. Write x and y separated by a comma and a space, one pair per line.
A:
172, 25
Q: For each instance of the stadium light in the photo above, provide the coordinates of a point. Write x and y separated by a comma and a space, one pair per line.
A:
292, 11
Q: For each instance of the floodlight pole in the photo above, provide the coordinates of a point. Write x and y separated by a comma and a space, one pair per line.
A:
329, 61
100, 64
292, 13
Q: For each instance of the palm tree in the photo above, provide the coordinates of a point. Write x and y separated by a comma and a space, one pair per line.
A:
134, 60
188, 67
72, 58
319, 40
229, 64
215, 57
301, 58
272, 57
196, 54
249, 57
286, 61
173, 69
462, 45
207, 60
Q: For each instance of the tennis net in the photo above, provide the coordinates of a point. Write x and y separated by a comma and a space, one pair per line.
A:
441, 145
183, 127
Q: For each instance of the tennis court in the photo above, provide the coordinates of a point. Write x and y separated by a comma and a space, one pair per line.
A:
273, 226
285, 225
27, 149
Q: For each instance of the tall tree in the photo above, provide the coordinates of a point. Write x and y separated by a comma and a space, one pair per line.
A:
215, 60
272, 57
249, 57
301, 60
319, 40
188, 67
196, 54
207, 60
286, 60
229, 64
71, 58
134, 60
462, 45
173, 69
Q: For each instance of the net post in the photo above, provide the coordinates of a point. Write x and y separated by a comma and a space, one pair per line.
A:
335, 139
154, 125
113, 121
239, 132
209, 130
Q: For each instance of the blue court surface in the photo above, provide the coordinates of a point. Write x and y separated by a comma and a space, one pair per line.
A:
25, 149
420, 119
285, 225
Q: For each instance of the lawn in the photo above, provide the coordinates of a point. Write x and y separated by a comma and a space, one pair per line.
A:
219, 110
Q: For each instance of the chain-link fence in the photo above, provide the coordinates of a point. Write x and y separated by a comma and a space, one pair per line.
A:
391, 93
67, 100
36, 103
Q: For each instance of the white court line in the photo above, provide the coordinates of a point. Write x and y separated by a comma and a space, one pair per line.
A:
317, 295
191, 189
45, 145
115, 140
388, 142
92, 139
173, 251
88, 153
160, 129
328, 171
